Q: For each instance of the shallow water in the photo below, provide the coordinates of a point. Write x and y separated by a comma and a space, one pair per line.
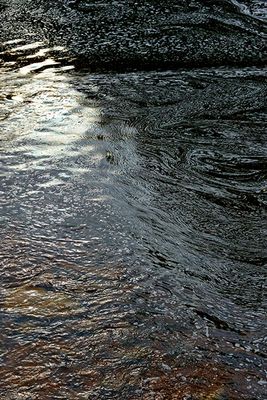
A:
133, 231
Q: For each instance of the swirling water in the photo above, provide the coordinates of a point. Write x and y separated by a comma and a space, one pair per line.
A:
133, 231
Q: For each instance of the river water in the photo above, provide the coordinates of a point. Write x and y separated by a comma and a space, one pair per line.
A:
133, 229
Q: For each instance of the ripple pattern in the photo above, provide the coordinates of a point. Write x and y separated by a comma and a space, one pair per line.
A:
133, 232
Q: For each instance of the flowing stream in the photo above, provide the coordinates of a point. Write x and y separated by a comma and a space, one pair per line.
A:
133, 224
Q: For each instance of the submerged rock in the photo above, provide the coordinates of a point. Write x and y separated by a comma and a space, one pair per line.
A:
39, 302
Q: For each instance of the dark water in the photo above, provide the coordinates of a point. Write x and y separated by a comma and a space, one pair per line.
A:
143, 34
133, 225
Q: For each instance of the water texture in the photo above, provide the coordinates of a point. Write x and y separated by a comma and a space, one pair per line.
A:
133, 210
144, 34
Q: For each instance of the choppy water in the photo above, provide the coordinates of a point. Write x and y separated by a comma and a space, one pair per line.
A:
133, 231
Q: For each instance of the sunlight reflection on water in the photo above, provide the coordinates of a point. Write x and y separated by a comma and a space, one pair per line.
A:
49, 117
130, 228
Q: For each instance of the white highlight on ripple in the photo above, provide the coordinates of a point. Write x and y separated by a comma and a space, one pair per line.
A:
30, 46
35, 66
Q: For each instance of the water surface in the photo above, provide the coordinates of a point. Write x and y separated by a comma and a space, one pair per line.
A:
133, 230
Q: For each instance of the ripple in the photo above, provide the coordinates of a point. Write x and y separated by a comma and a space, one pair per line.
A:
132, 251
